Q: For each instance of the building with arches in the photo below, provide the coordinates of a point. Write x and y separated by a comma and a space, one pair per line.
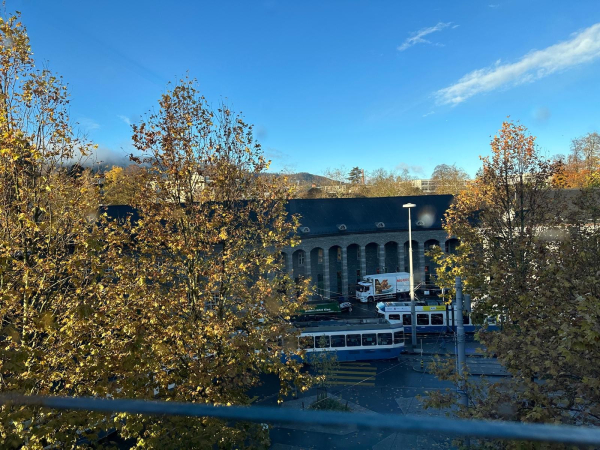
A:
343, 239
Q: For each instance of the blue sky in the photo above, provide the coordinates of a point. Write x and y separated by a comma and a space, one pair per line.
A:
375, 84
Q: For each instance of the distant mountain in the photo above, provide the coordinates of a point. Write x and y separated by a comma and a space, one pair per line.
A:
305, 178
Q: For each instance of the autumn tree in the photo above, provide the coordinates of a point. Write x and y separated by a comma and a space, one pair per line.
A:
529, 257
384, 183
207, 246
581, 167
449, 179
52, 274
121, 184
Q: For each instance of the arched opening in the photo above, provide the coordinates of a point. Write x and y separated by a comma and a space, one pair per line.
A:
335, 272
415, 258
430, 269
392, 263
452, 245
372, 257
317, 270
299, 265
353, 267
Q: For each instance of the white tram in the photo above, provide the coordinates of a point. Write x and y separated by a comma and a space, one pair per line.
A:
352, 340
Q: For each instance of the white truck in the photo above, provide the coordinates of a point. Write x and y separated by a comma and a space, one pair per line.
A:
383, 286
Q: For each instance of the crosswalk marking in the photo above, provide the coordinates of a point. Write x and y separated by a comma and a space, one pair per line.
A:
355, 373
345, 383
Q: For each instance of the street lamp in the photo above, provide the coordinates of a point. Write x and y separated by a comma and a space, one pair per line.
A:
413, 313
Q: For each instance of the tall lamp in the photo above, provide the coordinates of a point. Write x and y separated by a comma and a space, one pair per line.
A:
413, 313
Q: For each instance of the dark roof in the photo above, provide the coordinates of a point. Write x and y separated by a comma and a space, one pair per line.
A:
323, 217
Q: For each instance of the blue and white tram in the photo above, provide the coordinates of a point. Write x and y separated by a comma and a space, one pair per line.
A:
430, 318
352, 340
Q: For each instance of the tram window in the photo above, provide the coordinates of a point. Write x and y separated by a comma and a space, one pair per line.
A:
384, 338
422, 319
369, 339
322, 341
338, 340
398, 337
353, 340
465, 319
394, 316
406, 319
437, 319
307, 342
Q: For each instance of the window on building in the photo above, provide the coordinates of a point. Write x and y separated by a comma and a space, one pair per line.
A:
320, 256
358, 253
300, 258
384, 338
406, 319
437, 319
339, 254
422, 319
394, 317
369, 339
338, 340
465, 319
358, 275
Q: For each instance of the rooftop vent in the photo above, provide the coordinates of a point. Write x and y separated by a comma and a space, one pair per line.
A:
342, 227
305, 229
380, 224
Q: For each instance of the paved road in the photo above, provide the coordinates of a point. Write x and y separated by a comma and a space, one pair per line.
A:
383, 387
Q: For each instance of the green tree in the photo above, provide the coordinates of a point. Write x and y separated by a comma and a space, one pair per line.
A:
355, 176
530, 259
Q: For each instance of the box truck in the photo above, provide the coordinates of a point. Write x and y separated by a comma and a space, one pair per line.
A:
383, 286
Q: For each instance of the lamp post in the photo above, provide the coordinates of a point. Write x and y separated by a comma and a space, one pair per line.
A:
413, 313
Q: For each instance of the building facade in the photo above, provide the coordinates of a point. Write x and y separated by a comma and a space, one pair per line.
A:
347, 238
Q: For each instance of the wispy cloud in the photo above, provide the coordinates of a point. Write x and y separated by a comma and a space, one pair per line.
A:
494, 6
88, 124
429, 113
418, 36
583, 47
124, 119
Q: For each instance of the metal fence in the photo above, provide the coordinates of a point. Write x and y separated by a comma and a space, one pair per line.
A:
389, 422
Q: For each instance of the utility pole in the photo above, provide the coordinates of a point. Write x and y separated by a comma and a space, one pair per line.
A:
460, 337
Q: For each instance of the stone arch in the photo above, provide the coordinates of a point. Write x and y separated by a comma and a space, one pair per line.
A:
451, 245
430, 269
335, 272
392, 259
372, 258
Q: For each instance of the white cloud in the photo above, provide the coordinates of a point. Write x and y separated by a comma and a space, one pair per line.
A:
583, 47
494, 6
125, 119
429, 113
88, 124
417, 38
